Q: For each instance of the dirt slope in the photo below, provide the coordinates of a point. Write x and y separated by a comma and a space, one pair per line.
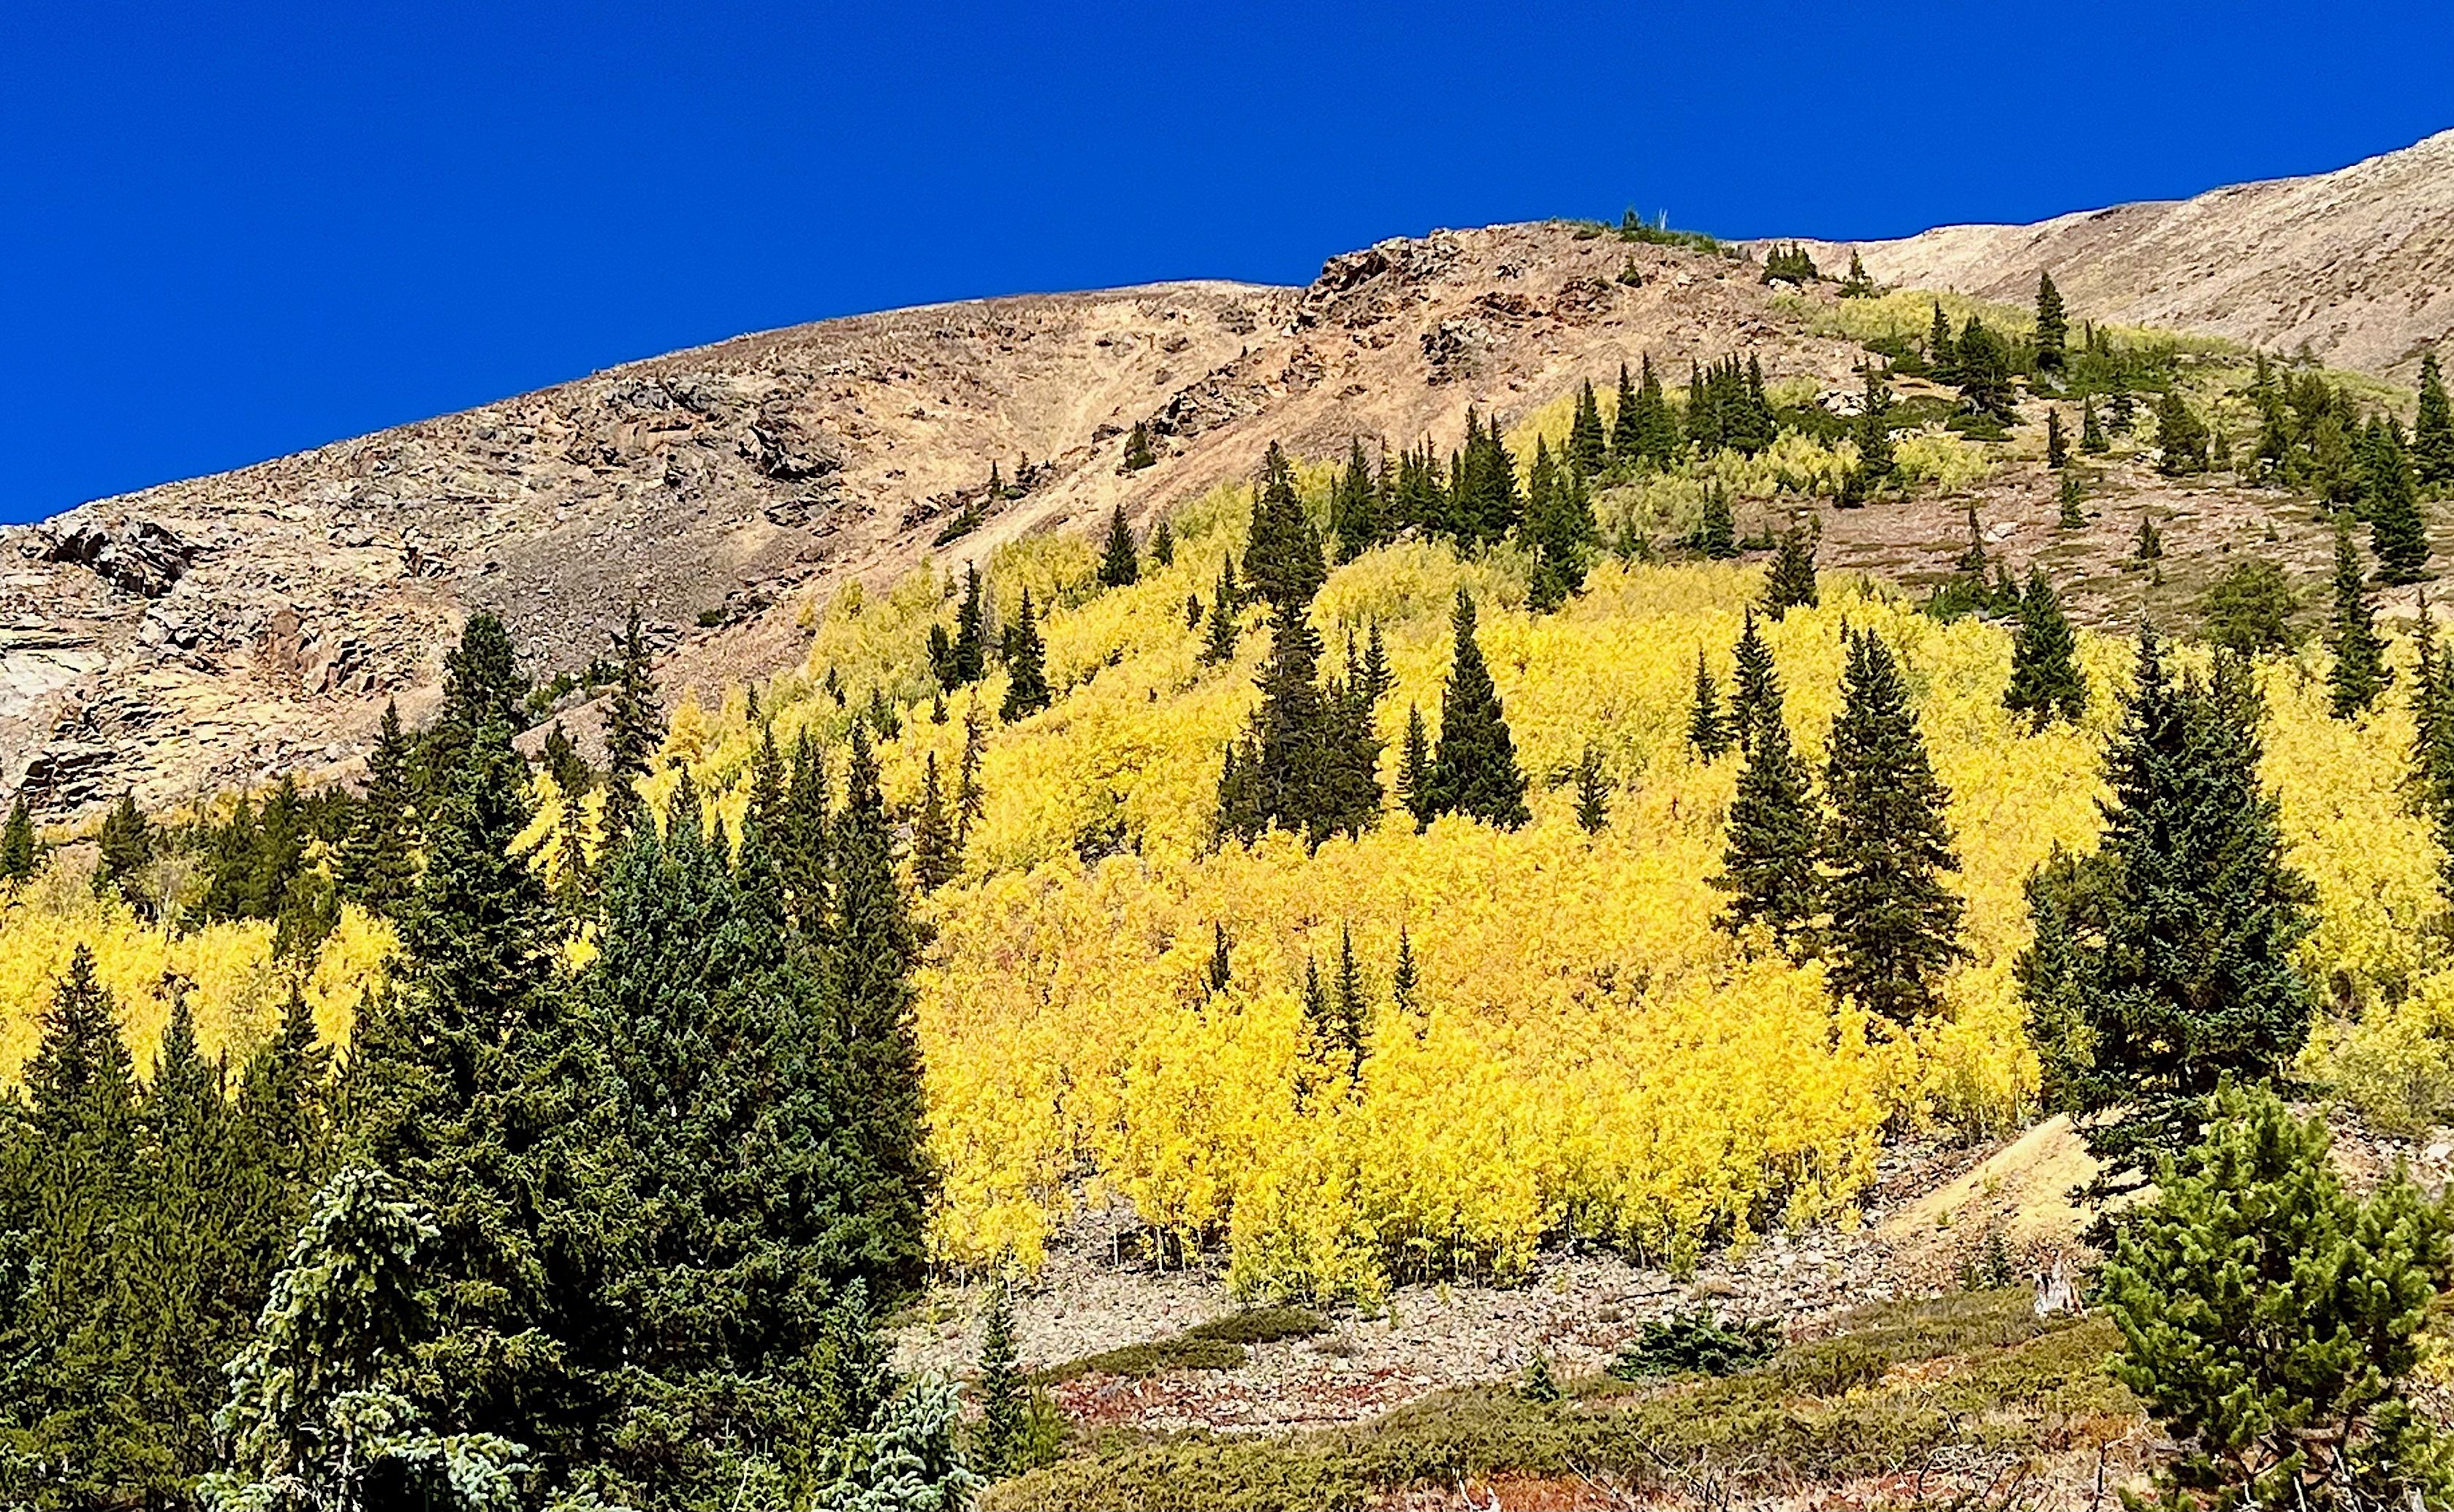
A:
2357, 264
224, 629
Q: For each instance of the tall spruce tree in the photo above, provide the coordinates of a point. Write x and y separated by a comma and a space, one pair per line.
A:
1626, 440
936, 854
1415, 771
17, 842
1717, 530
1708, 733
2091, 431
1894, 926
1001, 1440
1875, 465
2181, 436
2432, 433
635, 728
1473, 766
1757, 691
1789, 583
1768, 866
2390, 498
2168, 960
1356, 521
1593, 792
1121, 565
1982, 373
378, 861
2057, 445
1588, 445
2047, 683
2360, 672
1656, 429
1282, 557
968, 657
1559, 527
1026, 666
2053, 326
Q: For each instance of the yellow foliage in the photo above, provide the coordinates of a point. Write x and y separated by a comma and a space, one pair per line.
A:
235, 985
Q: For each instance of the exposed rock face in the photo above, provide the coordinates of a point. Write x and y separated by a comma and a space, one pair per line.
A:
2357, 265
224, 629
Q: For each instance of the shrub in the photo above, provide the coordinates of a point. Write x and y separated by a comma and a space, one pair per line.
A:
2250, 608
2269, 1319
1696, 1343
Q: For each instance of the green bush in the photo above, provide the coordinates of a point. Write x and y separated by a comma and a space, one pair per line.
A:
2250, 609
2269, 1319
1696, 1343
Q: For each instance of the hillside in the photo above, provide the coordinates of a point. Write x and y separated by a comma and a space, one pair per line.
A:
217, 631
2356, 267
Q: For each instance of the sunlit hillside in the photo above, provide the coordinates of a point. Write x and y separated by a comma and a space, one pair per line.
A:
1585, 1053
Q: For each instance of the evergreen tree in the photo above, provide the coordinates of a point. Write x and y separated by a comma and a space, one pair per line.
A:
1415, 772
869, 996
17, 842
1656, 431
2181, 436
1790, 582
971, 800
1768, 865
2047, 683
2390, 499
1224, 628
1138, 448
1857, 285
1404, 982
1895, 928
1473, 766
1026, 691
2091, 431
124, 849
2168, 960
1708, 734
1162, 543
1308, 763
2056, 447
1283, 557
1376, 680
1588, 446
1758, 693
1593, 792
1354, 506
1121, 565
2053, 326
452, 1088
2432, 433
1559, 527
1626, 440
2360, 671
2072, 517
1717, 533
1875, 465
1350, 1010
936, 854
634, 729
378, 861
1221, 973
1001, 1443
1943, 348
1983, 374
2271, 1321
322, 1410
967, 659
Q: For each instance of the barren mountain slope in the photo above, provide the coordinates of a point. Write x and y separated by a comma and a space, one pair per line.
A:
222, 629
2358, 264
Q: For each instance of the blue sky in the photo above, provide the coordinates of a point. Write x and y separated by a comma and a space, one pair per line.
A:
227, 232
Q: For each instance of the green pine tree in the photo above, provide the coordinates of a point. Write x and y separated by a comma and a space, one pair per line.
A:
1000, 1442
379, 858
1758, 693
2070, 493
1588, 445
1593, 792
1355, 520
1790, 581
1626, 438
1121, 565
2046, 682
2390, 498
2359, 672
1415, 772
124, 849
2057, 445
634, 729
1137, 449
1717, 533
1224, 628
1026, 689
17, 850
2168, 960
2053, 326
967, 656
1895, 927
2091, 431
1981, 369
1857, 285
1875, 465
2271, 1321
1473, 766
936, 854
2432, 433
1708, 734
2181, 436
1162, 543
323, 1408
1768, 866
